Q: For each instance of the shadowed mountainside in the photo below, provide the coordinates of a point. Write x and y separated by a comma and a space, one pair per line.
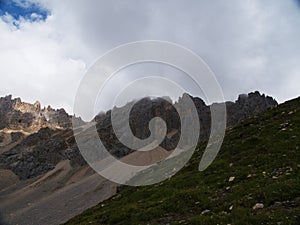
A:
255, 179
37, 152
41, 166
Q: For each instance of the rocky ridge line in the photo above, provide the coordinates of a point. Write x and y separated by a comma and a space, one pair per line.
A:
40, 152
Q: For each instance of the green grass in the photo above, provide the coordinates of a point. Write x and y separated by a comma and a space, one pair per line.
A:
262, 153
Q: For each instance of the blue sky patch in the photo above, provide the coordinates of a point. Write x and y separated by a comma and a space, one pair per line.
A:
23, 8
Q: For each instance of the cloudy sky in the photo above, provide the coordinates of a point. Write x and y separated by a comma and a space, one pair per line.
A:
46, 46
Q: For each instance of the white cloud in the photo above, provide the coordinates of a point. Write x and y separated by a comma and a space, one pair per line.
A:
249, 44
35, 64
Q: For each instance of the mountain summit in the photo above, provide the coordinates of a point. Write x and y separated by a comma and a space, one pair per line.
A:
22, 116
255, 179
41, 165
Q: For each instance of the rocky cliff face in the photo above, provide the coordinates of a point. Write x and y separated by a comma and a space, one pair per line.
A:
34, 140
248, 105
145, 109
18, 115
40, 152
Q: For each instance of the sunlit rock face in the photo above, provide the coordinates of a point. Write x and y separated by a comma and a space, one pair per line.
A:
20, 116
33, 139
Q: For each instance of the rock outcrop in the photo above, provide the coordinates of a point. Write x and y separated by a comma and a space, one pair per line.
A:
33, 139
145, 109
18, 115
248, 105
36, 152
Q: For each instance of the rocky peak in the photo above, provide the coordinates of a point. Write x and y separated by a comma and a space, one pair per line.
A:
22, 116
37, 106
50, 145
143, 110
248, 105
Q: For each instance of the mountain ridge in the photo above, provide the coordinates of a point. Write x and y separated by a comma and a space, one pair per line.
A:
54, 140
50, 155
255, 179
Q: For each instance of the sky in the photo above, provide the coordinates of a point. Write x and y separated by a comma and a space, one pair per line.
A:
46, 46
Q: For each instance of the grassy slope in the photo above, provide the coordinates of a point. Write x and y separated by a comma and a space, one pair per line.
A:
263, 154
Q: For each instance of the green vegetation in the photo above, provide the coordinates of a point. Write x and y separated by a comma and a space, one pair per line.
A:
263, 156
